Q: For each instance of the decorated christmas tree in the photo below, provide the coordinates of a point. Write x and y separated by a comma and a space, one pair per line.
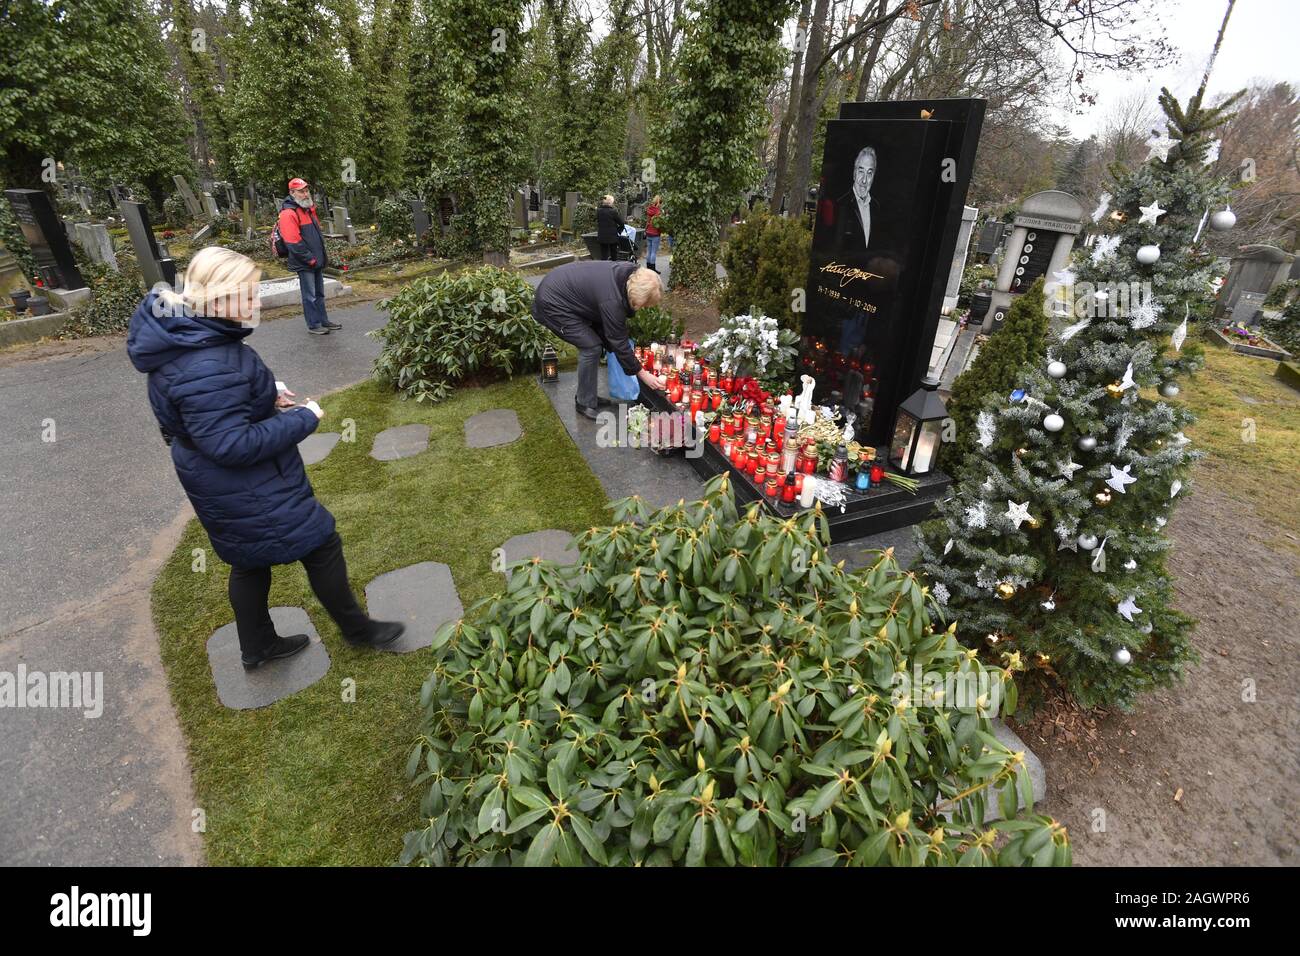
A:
1053, 546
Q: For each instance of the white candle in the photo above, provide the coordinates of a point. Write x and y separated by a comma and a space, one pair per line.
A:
809, 491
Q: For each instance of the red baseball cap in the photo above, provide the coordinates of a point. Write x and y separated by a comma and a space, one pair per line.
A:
297, 183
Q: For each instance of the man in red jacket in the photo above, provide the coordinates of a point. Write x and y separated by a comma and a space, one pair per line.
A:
301, 233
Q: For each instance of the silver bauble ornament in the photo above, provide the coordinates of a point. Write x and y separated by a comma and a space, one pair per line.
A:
1223, 220
1147, 628
1087, 541
1169, 390
1148, 254
1053, 422
1122, 656
1056, 369
1086, 443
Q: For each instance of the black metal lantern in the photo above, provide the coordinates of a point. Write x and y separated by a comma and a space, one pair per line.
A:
550, 365
918, 430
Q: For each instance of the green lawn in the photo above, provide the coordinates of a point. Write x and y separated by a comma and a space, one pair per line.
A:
1253, 446
312, 779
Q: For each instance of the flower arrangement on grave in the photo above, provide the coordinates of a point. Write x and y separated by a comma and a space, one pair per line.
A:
753, 346
1239, 333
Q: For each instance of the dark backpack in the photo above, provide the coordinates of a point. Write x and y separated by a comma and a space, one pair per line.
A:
277, 244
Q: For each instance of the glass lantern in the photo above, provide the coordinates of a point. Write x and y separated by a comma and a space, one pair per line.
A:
550, 365
918, 429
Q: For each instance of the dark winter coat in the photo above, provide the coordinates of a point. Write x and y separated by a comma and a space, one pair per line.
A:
235, 454
609, 224
300, 229
591, 293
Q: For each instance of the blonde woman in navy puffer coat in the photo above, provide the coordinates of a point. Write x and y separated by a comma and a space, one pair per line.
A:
234, 442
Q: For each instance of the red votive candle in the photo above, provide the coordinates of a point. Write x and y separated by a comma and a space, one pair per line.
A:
877, 474
715, 432
788, 488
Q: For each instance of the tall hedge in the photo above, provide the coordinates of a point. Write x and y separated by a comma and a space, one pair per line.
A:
997, 369
766, 258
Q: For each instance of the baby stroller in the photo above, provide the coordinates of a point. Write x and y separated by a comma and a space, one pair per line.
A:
630, 247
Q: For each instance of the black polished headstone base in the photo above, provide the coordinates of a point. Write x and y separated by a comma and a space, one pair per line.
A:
882, 508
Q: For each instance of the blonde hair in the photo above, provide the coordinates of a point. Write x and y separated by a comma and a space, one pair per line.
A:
655, 201
607, 200
215, 276
644, 289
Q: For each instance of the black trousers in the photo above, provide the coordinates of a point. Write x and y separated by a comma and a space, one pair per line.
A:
590, 349
609, 250
328, 573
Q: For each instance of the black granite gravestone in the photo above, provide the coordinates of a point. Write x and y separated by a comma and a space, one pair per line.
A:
44, 232
990, 238
419, 218
154, 266
888, 211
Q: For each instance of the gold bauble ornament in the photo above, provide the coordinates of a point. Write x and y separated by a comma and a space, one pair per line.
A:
1102, 498
1034, 523
1115, 390
1006, 590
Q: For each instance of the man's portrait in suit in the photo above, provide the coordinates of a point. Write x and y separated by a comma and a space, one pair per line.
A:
853, 212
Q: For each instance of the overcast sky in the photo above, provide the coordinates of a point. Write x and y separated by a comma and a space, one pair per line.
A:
1262, 42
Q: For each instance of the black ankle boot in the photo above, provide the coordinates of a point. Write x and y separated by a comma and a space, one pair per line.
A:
279, 648
381, 634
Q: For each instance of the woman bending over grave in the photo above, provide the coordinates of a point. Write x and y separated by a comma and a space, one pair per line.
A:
234, 434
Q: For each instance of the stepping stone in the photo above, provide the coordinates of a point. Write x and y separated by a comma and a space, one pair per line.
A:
400, 442
316, 446
500, 426
239, 689
551, 545
422, 596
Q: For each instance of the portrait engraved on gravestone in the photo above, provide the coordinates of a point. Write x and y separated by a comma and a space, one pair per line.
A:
856, 208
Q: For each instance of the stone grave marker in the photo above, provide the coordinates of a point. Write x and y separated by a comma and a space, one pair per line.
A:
1042, 235
521, 210
1255, 268
950, 294
154, 265
990, 238
419, 218
192, 204
571, 201
249, 223
55, 263
554, 215
210, 206
343, 224
93, 237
